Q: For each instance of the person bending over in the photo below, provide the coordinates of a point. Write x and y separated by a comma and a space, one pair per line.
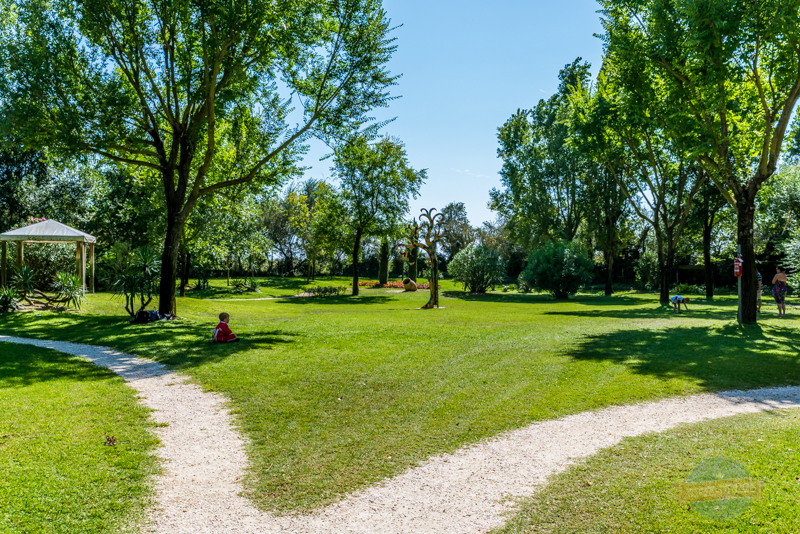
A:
676, 301
222, 333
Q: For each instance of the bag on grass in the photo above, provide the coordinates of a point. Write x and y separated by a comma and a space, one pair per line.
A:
142, 317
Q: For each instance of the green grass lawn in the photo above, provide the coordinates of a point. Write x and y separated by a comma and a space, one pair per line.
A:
635, 486
271, 288
58, 474
335, 394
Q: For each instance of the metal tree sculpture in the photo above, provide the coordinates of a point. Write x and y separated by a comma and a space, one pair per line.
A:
433, 234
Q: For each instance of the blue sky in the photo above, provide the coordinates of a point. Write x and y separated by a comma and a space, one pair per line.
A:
466, 67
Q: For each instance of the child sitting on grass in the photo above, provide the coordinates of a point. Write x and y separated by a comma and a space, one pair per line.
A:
222, 333
676, 301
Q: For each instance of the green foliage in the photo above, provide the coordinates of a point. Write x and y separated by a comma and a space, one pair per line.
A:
24, 280
543, 174
133, 275
376, 182
69, 290
686, 289
72, 79
325, 291
47, 260
9, 299
457, 229
477, 267
249, 284
558, 268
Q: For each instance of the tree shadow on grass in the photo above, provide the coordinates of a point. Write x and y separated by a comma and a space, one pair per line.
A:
343, 299
21, 366
716, 358
639, 309
179, 344
544, 298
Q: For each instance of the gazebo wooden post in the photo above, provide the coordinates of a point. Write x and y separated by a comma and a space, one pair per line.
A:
83, 264
4, 276
91, 262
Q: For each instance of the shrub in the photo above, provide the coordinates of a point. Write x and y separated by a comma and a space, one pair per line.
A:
477, 267
249, 284
684, 289
25, 281
133, 275
69, 289
9, 299
558, 268
324, 291
47, 260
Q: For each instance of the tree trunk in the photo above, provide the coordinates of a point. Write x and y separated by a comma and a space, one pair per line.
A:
383, 271
665, 260
609, 274
709, 269
169, 265
187, 258
356, 251
745, 208
412, 263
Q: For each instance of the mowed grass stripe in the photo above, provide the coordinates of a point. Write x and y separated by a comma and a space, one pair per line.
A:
335, 394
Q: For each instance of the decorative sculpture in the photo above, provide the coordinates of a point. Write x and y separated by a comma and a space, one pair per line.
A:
433, 230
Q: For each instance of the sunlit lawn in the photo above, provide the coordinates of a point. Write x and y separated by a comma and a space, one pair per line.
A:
636, 486
338, 393
57, 474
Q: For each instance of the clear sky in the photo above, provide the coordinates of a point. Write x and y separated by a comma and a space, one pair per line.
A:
466, 67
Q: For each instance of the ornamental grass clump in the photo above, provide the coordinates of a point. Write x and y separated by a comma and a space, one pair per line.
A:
560, 268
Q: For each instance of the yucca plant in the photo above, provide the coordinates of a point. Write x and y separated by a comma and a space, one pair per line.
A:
9, 299
134, 276
24, 282
69, 289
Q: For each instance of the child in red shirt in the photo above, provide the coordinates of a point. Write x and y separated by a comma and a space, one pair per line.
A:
222, 333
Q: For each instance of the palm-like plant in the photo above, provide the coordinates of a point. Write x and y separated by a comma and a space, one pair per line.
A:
9, 299
69, 289
24, 282
134, 276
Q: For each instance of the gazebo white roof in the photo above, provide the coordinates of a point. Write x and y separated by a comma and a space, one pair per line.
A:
48, 232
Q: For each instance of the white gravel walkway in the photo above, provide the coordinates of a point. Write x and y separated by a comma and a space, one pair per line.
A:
460, 493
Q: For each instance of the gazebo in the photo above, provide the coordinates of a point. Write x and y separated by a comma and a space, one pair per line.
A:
49, 232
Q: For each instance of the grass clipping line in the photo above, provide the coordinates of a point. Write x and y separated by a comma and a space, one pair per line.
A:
454, 493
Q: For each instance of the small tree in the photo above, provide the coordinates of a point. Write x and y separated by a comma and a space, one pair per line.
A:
134, 276
559, 268
376, 181
477, 267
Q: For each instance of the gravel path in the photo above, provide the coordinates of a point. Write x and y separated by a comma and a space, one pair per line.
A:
459, 493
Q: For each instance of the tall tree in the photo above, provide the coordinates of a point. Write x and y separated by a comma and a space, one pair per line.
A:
457, 228
18, 168
735, 70
542, 196
162, 84
622, 124
376, 181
